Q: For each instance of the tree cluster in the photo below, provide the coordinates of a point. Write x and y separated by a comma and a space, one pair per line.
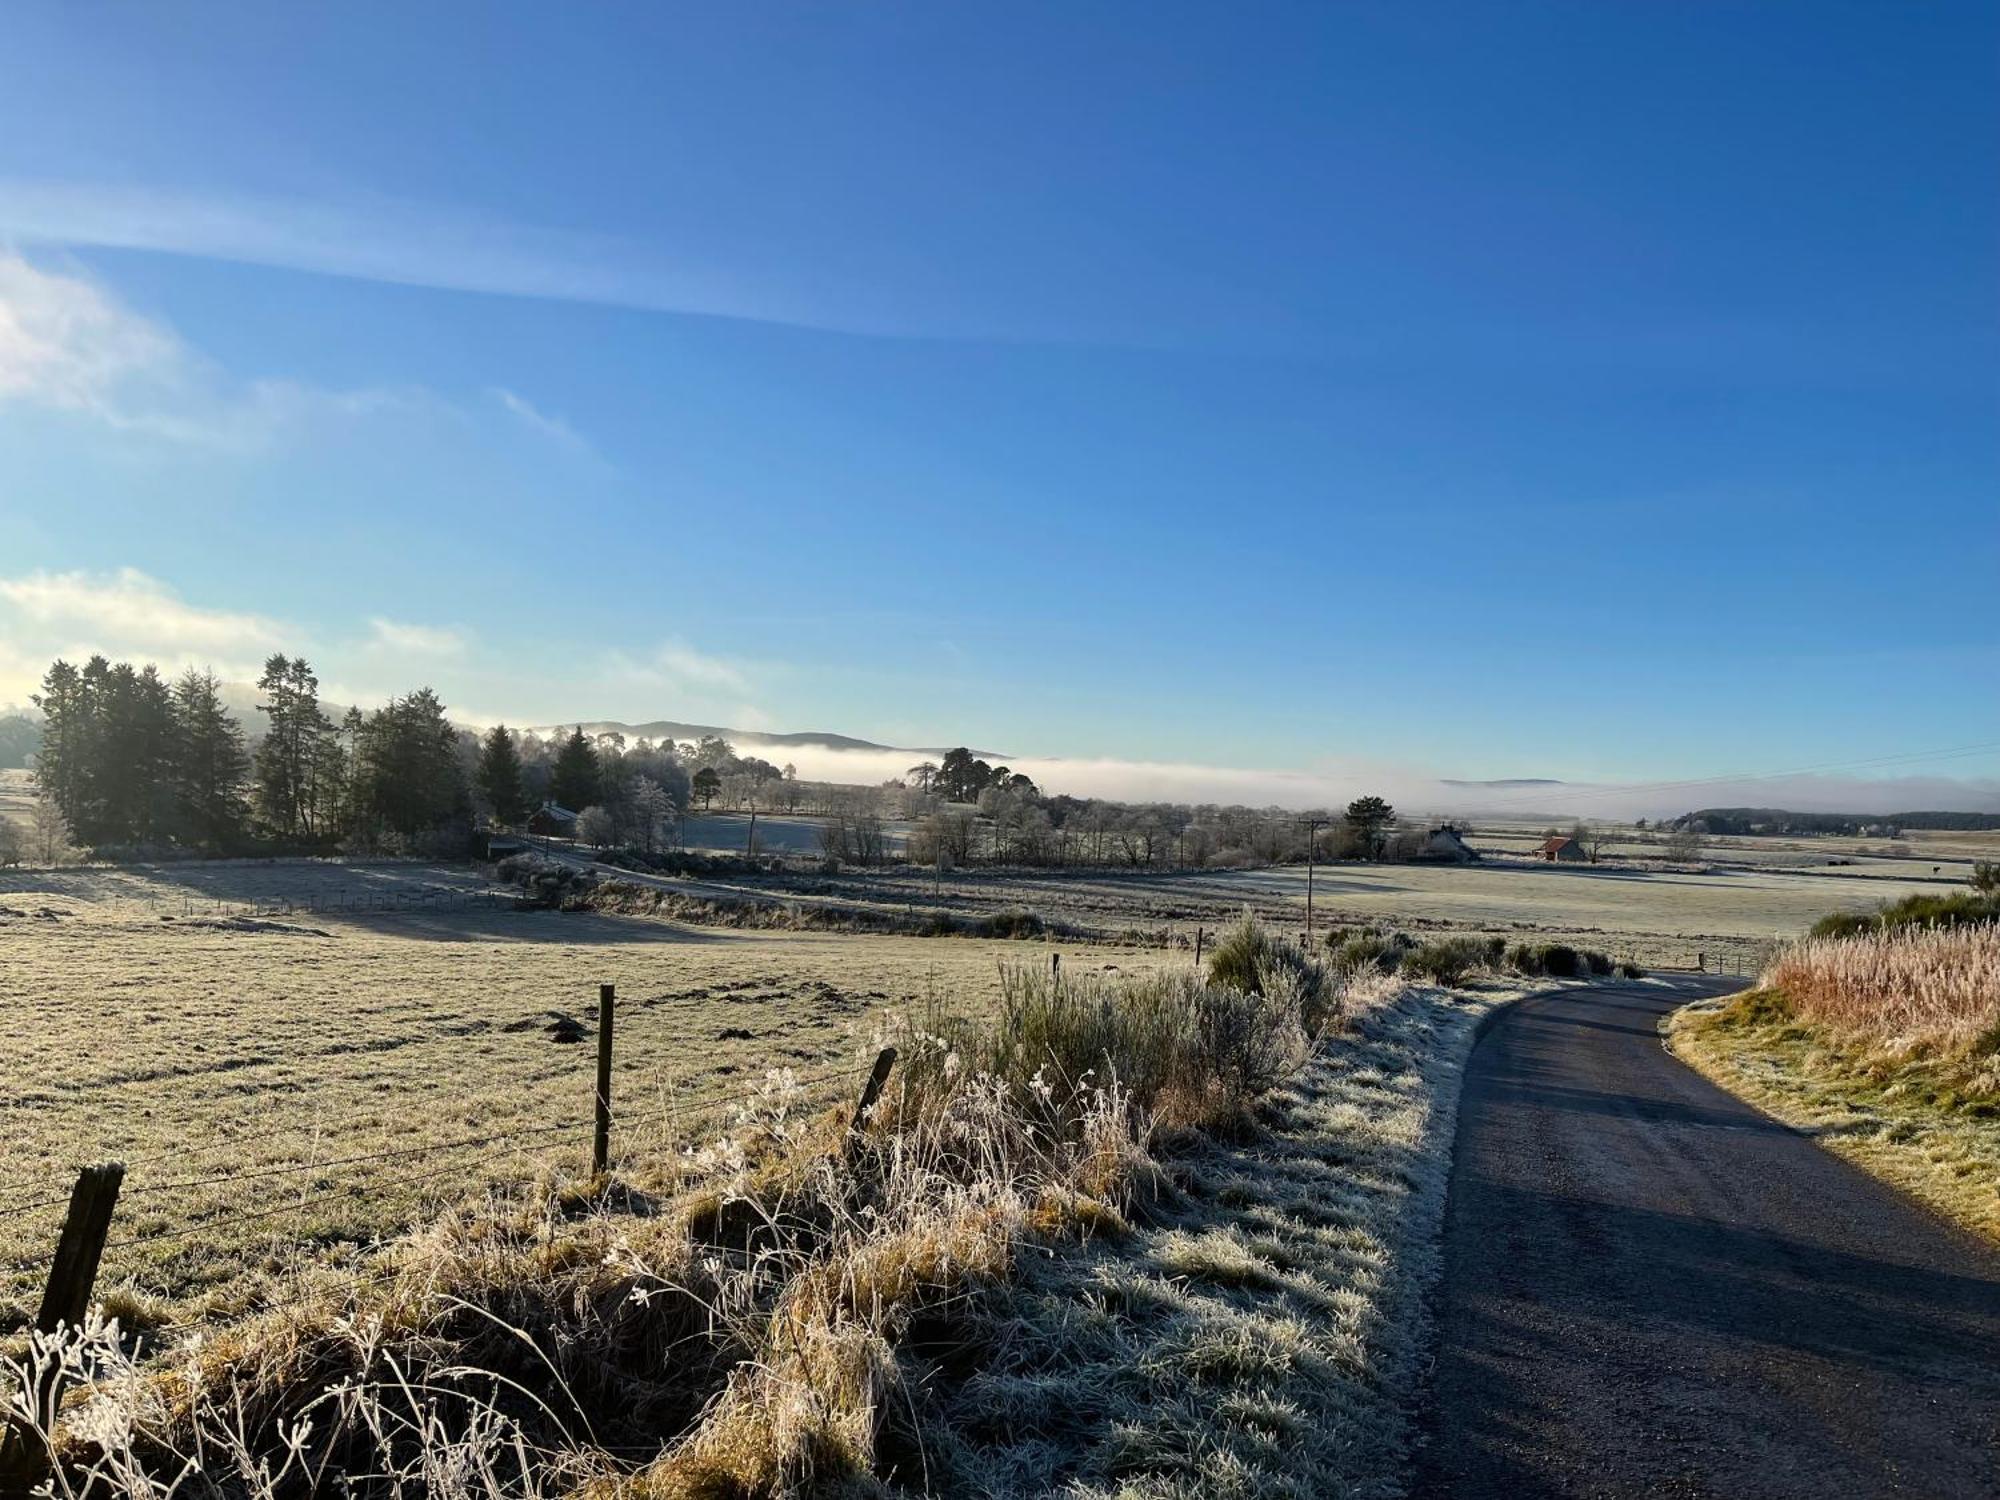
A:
963, 777
127, 758
131, 761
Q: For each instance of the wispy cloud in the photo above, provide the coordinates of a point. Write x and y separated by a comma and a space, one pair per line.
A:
68, 344
418, 640
555, 429
676, 664
394, 240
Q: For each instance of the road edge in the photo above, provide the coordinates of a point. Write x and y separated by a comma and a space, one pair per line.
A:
1896, 1155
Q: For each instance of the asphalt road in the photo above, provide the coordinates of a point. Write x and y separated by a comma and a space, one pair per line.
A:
1649, 1289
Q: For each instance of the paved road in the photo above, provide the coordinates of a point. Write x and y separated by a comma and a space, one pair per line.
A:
1650, 1289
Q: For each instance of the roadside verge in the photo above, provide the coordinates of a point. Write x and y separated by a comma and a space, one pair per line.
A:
1939, 1147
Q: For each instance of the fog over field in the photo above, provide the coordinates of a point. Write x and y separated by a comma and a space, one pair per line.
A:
1338, 780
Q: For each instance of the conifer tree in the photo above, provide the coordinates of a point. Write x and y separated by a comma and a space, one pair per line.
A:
500, 776
210, 763
574, 781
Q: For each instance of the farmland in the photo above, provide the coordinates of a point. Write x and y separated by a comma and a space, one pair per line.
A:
204, 1020
203, 1045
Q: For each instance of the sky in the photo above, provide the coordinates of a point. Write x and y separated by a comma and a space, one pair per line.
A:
1603, 392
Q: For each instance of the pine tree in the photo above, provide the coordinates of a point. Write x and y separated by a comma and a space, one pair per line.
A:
574, 781
210, 764
408, 776
61, 763
500, 776
291, 753
1369, 819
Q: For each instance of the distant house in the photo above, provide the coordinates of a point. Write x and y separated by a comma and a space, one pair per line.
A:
552, 821
1563, 850
1447, 844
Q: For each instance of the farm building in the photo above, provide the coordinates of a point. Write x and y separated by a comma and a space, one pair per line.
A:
1445, 843
1562, 849
552, 821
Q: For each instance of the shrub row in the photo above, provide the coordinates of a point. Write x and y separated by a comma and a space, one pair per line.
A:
1960, 909
1452, 959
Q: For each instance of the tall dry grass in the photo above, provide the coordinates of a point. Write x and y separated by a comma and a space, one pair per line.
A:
1937, 988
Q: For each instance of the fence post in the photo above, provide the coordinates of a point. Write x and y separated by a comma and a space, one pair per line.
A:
81, 1248
872, 1089
600, 1145
1198, 935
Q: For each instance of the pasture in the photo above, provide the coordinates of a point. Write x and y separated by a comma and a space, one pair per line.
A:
207, 1021
207, 1046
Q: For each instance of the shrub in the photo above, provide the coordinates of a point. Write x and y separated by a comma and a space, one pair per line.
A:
1557, 960
1188, 1051
1960, 909
1630, 970
1014, 922
1250, 958
1368, 950
1446, 960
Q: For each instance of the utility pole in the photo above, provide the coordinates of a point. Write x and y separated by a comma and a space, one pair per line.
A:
1313, 826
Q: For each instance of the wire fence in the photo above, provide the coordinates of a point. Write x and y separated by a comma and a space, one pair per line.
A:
693, 1110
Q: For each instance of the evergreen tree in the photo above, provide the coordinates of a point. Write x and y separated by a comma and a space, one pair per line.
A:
574, 782
407, 772
292, 756
706, 785
210, 764
62, 761
1369, 820
500, 776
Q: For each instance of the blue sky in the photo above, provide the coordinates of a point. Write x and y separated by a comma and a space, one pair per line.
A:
1599, 391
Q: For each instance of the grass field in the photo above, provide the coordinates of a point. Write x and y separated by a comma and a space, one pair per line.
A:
1659, 917
209, 1046
200, 1020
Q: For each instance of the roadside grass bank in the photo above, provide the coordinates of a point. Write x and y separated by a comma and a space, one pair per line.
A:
1144, 1235
1885, 1046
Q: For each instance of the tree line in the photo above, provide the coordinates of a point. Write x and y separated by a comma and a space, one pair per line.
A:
131, 763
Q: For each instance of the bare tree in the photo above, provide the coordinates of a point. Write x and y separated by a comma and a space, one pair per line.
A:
653, 807
1593, 839
1683, 846
13, 842
595, 826
51, 830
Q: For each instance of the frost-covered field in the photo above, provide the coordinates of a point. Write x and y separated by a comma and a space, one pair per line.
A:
207, 1046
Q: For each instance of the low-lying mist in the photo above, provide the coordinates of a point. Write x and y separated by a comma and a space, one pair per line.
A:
1335, 783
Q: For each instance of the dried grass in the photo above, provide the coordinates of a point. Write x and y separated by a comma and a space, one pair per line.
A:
1937, 988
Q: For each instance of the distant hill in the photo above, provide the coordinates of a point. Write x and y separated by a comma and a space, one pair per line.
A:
1741, 820
746, 739
1505, 781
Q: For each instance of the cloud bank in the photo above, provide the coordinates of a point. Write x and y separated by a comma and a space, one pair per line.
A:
1417, 791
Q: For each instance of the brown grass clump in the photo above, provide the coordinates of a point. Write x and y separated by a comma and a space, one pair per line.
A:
1936, 988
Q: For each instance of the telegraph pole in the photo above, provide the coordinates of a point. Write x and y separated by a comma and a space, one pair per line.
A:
1313, 826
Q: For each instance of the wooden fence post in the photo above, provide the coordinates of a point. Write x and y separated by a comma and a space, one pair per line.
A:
1198, 935
81, 1248
24, 1461
600, 1145
872, 1090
